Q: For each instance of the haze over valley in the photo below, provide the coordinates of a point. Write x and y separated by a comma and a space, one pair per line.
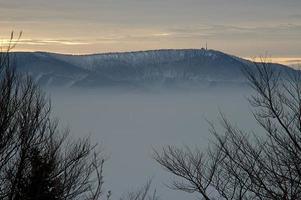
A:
134, 102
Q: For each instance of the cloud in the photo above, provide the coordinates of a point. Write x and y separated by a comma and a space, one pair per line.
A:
295, 16
285, 31
43, 42
215, 31
100, 40
162, 34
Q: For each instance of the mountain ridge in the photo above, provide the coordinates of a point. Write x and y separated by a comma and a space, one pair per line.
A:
163, 67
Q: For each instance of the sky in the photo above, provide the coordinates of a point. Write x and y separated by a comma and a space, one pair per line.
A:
246, 28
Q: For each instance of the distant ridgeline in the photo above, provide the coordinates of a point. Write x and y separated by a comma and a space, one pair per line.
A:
157, 68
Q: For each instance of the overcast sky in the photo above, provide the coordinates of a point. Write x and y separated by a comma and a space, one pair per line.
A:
241, 27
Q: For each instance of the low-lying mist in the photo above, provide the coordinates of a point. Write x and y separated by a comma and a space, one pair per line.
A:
129, 125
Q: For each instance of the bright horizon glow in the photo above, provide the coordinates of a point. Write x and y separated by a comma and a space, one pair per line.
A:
294, 62
244, 28
289, 61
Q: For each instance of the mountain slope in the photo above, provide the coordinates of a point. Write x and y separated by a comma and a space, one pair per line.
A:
172, 68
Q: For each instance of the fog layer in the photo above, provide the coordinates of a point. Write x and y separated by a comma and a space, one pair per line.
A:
128, 125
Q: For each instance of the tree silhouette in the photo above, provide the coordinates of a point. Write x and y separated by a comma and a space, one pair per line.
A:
244, 166
37, 160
